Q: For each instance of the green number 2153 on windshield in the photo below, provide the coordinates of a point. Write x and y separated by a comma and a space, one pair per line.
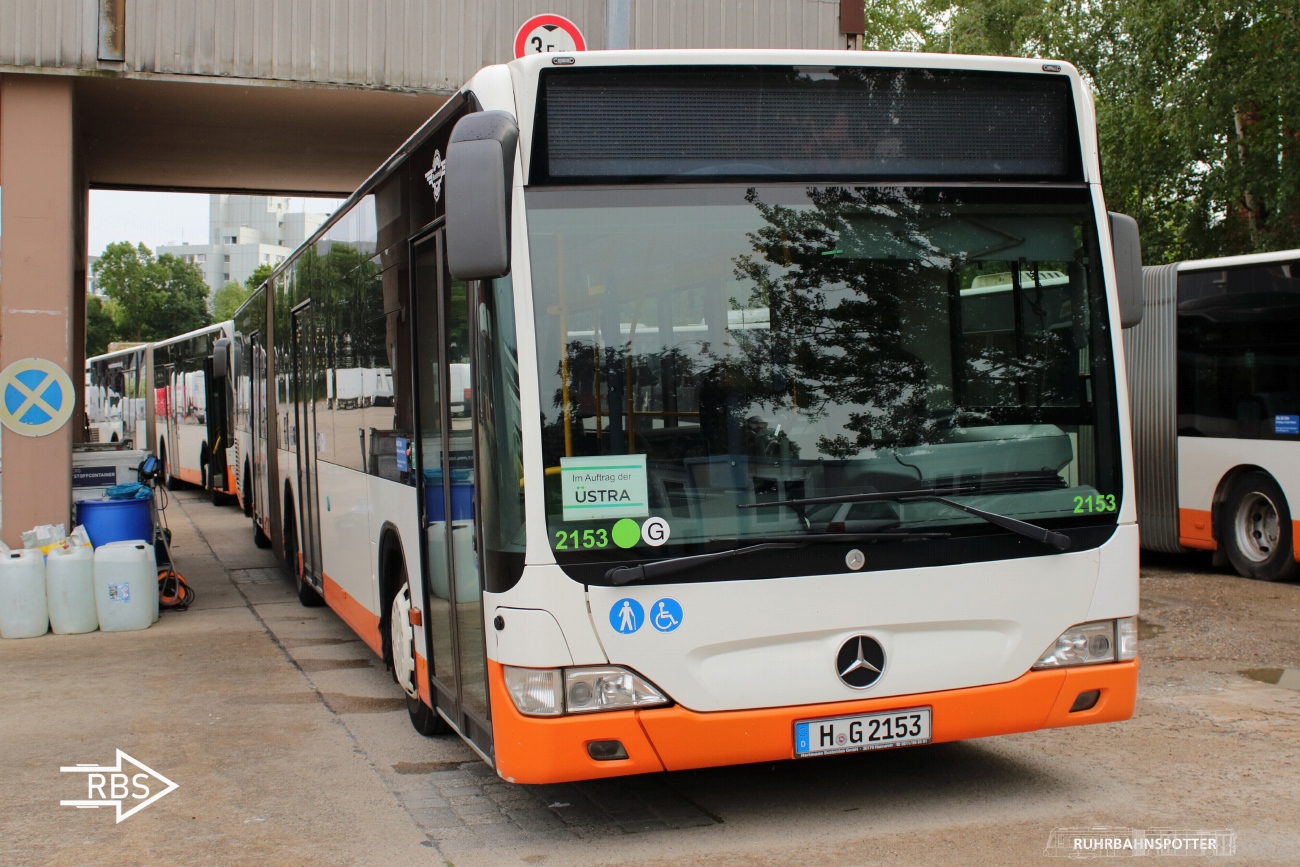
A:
1098, 503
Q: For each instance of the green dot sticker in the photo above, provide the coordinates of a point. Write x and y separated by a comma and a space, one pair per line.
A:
626, 533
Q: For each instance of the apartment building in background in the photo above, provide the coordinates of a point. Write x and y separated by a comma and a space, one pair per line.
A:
243, 233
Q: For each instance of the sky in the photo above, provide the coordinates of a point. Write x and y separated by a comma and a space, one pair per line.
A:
153, 219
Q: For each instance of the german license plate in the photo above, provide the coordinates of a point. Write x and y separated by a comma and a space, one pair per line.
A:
872, 731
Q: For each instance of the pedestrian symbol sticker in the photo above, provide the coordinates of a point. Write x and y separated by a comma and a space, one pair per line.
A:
36, 397
626, 616
666, 614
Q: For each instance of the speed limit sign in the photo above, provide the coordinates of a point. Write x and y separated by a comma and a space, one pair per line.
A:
543, 34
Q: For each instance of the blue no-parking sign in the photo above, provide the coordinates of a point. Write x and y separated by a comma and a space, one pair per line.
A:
36, 397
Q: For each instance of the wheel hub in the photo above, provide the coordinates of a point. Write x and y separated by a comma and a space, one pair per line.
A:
403, 643
1257, 527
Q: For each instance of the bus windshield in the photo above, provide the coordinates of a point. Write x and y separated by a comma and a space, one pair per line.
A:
700, 348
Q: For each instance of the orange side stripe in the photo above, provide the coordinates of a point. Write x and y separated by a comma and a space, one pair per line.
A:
1196, 530
364, 623
194, 477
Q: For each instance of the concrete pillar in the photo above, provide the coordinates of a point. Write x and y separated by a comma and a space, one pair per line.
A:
618, 24
38, 291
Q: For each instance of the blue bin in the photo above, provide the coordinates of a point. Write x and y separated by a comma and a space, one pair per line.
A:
462, 500
115, 520
462, 495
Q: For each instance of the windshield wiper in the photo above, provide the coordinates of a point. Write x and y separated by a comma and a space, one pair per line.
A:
621, 575
1059, 541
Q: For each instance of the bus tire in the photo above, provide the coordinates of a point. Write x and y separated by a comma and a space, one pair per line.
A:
221, 498
307, 594
1255, 529
401, 655
260, 539
172, 483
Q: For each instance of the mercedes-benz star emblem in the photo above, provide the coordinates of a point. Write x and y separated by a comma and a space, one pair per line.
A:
860, 661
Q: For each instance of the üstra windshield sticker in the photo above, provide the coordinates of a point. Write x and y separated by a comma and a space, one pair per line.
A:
596, 488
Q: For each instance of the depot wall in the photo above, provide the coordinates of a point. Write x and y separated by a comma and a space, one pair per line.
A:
42, 259
427, 46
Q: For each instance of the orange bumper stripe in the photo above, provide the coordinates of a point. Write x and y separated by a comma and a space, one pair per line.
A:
541, 750
553, 750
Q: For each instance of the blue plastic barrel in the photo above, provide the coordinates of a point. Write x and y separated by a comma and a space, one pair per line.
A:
115, 520
462, 495
433, 506
462, 500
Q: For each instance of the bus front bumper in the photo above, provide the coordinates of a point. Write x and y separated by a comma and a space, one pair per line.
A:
553, 750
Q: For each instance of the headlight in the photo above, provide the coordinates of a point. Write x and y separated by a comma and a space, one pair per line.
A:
535, 691
554, 691
1091, 643
1126, 637
609, 688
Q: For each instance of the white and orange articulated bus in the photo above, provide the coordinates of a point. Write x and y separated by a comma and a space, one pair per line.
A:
1214, 372
191, 408
741, 406
118, 408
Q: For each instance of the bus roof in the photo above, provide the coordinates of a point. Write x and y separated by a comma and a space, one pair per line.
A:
1238, 261
227, 327
521, 76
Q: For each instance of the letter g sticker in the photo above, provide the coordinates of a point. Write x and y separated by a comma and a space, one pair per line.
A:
654, 532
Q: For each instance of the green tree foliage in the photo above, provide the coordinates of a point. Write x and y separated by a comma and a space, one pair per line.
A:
226, 300
1198, 103
101, 330
260, 275
153, 298
346, 322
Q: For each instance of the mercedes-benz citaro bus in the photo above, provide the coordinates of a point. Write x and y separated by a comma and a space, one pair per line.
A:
1215, 373
744, 406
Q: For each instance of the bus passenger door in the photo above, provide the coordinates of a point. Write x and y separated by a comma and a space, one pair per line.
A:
257, 424
445, 438
303, 398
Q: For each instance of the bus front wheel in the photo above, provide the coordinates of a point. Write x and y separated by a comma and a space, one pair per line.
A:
1256, 529
401, 647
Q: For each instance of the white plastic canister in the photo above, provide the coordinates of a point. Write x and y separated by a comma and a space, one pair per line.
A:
70, 588
126, 586
23, 610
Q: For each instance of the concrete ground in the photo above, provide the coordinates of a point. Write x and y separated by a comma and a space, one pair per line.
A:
290, 745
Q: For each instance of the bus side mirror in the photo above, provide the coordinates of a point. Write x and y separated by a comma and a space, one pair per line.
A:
480, 175
1127, 247
220, 357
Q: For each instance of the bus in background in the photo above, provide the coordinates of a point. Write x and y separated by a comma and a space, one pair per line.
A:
652, 318
117, 397
1214, 379
191, 407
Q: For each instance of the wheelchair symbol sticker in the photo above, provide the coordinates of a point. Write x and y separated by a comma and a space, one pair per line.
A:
626, 616
666, 614
36, 397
